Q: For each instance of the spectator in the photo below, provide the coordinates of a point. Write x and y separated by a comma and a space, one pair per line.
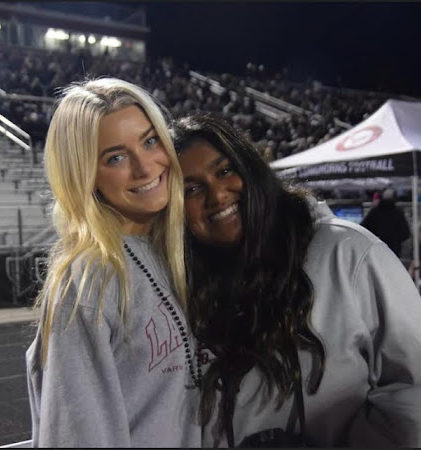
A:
299, 311
41, 73
387, 221
115, 285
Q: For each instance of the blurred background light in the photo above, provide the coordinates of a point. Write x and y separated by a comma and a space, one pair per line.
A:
57, 34
110, 42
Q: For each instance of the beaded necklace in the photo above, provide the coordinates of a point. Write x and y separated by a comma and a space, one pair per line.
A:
196, 376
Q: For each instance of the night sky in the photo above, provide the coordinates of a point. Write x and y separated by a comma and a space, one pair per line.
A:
362, 45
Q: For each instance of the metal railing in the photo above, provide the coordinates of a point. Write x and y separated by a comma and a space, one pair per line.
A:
25, 263
17, 136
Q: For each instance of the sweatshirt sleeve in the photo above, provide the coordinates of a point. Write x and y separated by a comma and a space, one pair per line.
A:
391, 308
81, 403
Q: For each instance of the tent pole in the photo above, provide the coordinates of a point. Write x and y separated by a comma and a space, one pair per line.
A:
415, 237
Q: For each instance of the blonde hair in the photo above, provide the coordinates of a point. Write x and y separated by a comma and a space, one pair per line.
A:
86, 226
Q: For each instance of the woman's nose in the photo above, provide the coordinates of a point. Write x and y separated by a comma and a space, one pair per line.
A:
141, 165
217, 194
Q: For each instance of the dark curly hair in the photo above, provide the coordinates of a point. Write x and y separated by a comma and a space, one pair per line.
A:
251, 305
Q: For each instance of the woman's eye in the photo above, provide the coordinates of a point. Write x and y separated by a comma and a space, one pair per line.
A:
151, 141
225, 171
189, 191
115, 159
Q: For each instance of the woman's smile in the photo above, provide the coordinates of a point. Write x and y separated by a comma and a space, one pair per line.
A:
149, 187
226, 214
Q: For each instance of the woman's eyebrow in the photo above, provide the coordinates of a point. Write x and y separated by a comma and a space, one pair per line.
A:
121, 146
217, 161
111, 149
190, 179
214, 163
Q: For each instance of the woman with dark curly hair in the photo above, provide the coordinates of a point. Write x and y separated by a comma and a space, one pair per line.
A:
309, 324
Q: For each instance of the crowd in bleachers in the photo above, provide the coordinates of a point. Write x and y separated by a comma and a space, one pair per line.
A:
323, 112
30, 79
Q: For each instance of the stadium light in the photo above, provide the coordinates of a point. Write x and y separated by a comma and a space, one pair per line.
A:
91, 39
57, 34
82, 39
110, 42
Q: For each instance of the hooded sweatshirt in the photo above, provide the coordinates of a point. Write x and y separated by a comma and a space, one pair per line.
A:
367, 313
101, 388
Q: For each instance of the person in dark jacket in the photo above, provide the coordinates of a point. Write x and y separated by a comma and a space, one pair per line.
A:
387, 221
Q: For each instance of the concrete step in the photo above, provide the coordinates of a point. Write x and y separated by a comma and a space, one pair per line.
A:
10, 237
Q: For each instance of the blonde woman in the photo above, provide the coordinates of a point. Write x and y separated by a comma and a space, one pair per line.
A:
113, 364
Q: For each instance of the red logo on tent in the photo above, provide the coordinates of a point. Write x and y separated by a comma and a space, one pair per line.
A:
359, 138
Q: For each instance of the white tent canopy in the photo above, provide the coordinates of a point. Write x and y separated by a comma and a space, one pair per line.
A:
384, 146
394, 129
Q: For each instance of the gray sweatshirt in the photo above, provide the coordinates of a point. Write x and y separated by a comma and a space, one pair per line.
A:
100, 390
367, 312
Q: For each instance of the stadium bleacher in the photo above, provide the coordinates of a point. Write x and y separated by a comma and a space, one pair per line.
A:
282, 116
